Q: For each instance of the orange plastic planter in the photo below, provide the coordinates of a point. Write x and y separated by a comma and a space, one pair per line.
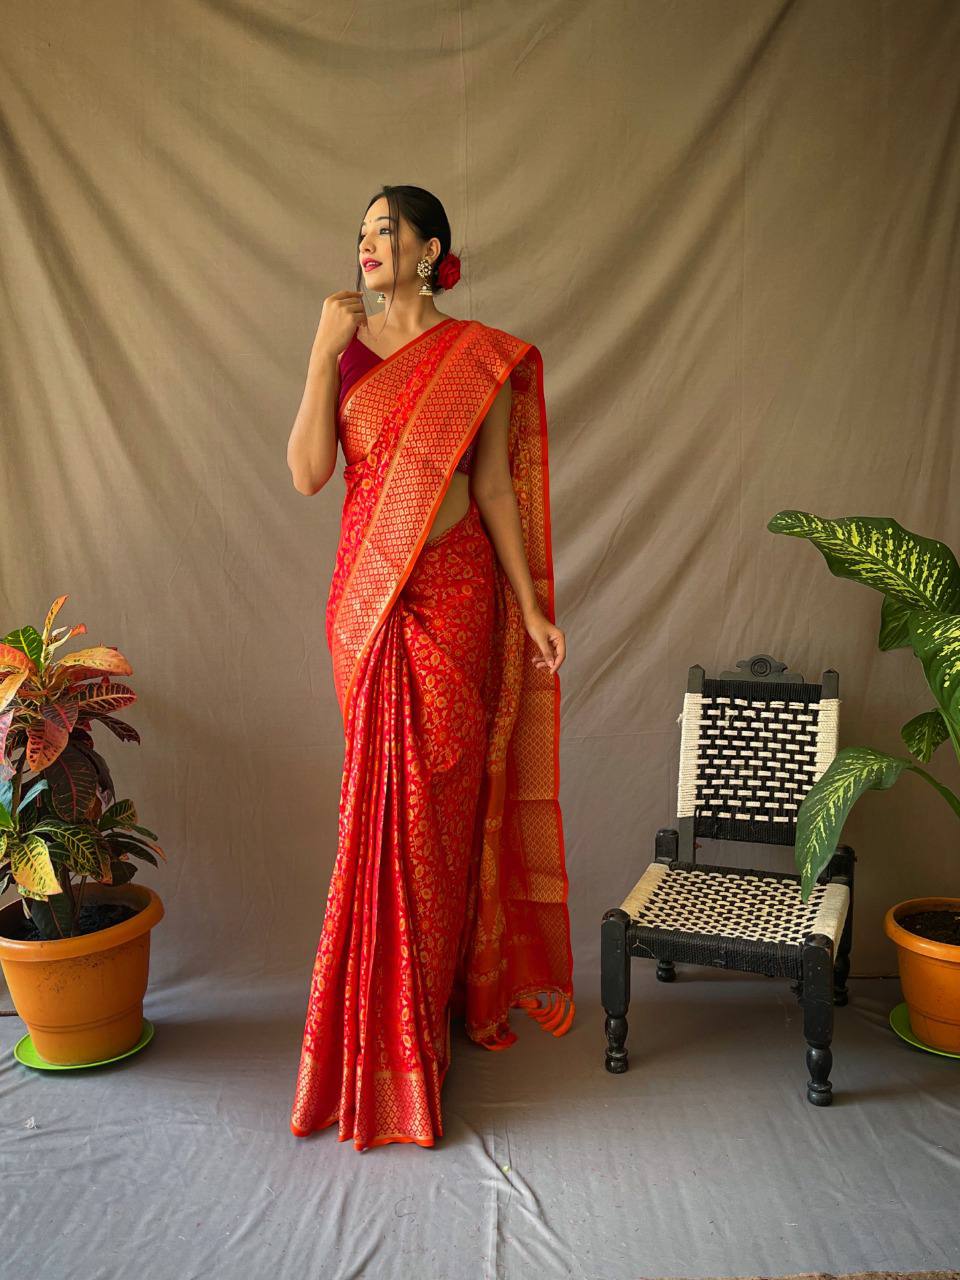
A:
929, 975
82, 998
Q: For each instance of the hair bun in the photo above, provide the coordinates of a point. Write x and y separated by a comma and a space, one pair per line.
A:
448, 272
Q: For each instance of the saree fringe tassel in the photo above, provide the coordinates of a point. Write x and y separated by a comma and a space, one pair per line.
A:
449, 889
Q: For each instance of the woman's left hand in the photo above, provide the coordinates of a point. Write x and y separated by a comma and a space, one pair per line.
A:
548, 638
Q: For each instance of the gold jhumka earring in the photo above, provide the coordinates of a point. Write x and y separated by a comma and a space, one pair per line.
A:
425, 271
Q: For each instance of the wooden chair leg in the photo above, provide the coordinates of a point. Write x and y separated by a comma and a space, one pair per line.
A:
841, 968
817, 1001
615, 986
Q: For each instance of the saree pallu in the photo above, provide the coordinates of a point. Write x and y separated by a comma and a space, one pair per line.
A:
449, 890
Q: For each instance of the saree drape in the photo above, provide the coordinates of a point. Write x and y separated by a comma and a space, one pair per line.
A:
449, 891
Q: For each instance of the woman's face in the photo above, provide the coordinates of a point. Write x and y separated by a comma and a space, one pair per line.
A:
376, 252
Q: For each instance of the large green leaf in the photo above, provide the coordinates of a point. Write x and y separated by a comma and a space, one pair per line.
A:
936, 642
924, 733
825, 807
880, 553
894, 627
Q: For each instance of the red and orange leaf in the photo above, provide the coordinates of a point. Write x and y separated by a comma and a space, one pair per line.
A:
12, 659
100, 657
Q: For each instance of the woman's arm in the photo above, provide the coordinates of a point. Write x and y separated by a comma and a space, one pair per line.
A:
312, 447
492, 488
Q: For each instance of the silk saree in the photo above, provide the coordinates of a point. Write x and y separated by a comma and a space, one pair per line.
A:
449, 890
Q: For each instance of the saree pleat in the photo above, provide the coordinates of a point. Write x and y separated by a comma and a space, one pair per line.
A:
379, 1024
448, 893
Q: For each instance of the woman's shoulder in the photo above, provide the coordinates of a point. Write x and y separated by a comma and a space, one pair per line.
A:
503, 338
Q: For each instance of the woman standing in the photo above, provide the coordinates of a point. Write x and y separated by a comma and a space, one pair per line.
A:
449, 890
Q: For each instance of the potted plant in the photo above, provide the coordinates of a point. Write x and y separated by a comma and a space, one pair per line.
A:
75, 956
919, 579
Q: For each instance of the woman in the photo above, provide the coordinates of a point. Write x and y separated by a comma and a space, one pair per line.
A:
449, 890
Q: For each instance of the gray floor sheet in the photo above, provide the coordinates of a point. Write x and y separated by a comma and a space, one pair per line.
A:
704, 1159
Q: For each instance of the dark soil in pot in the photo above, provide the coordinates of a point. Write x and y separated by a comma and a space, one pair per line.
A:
91, 918
938, 926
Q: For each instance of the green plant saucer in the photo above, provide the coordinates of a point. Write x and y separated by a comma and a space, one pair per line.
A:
25, 1052
900, 1021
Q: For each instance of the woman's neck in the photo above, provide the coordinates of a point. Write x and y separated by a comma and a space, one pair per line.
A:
403, 322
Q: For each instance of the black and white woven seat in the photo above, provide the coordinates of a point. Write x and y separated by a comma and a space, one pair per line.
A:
753, 742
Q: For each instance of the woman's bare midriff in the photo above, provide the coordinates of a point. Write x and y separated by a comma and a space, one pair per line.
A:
455, 505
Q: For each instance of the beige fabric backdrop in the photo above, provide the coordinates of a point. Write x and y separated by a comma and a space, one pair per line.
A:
730, 227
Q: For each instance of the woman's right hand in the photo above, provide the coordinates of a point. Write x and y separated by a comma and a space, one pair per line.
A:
342, 312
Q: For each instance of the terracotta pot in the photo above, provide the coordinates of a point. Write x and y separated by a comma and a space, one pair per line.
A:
82, 998
929, 975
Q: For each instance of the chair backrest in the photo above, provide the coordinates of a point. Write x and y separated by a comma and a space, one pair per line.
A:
753, 743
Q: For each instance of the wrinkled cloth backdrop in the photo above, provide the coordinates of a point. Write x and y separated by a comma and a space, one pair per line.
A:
730, 226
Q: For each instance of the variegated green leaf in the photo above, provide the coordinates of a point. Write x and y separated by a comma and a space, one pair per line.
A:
824, 810
82, 847
880, 553
894, 627
31, 865
924, 733
28, 893
122, 813
131, 847
936, 642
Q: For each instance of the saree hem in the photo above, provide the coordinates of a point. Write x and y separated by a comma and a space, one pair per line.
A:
380, 1139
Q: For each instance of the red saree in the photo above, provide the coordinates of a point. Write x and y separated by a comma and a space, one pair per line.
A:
449, 889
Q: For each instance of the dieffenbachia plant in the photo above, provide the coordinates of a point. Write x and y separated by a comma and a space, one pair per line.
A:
919, 579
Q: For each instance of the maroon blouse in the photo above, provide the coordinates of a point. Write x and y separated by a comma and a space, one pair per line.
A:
356, 359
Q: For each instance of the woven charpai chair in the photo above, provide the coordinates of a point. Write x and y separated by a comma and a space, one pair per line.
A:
753, 743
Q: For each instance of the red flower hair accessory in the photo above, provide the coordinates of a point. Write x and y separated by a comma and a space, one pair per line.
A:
448, 272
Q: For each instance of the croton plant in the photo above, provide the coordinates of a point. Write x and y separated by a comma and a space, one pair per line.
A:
59, 816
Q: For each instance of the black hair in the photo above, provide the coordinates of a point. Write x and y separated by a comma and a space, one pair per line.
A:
426, 216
